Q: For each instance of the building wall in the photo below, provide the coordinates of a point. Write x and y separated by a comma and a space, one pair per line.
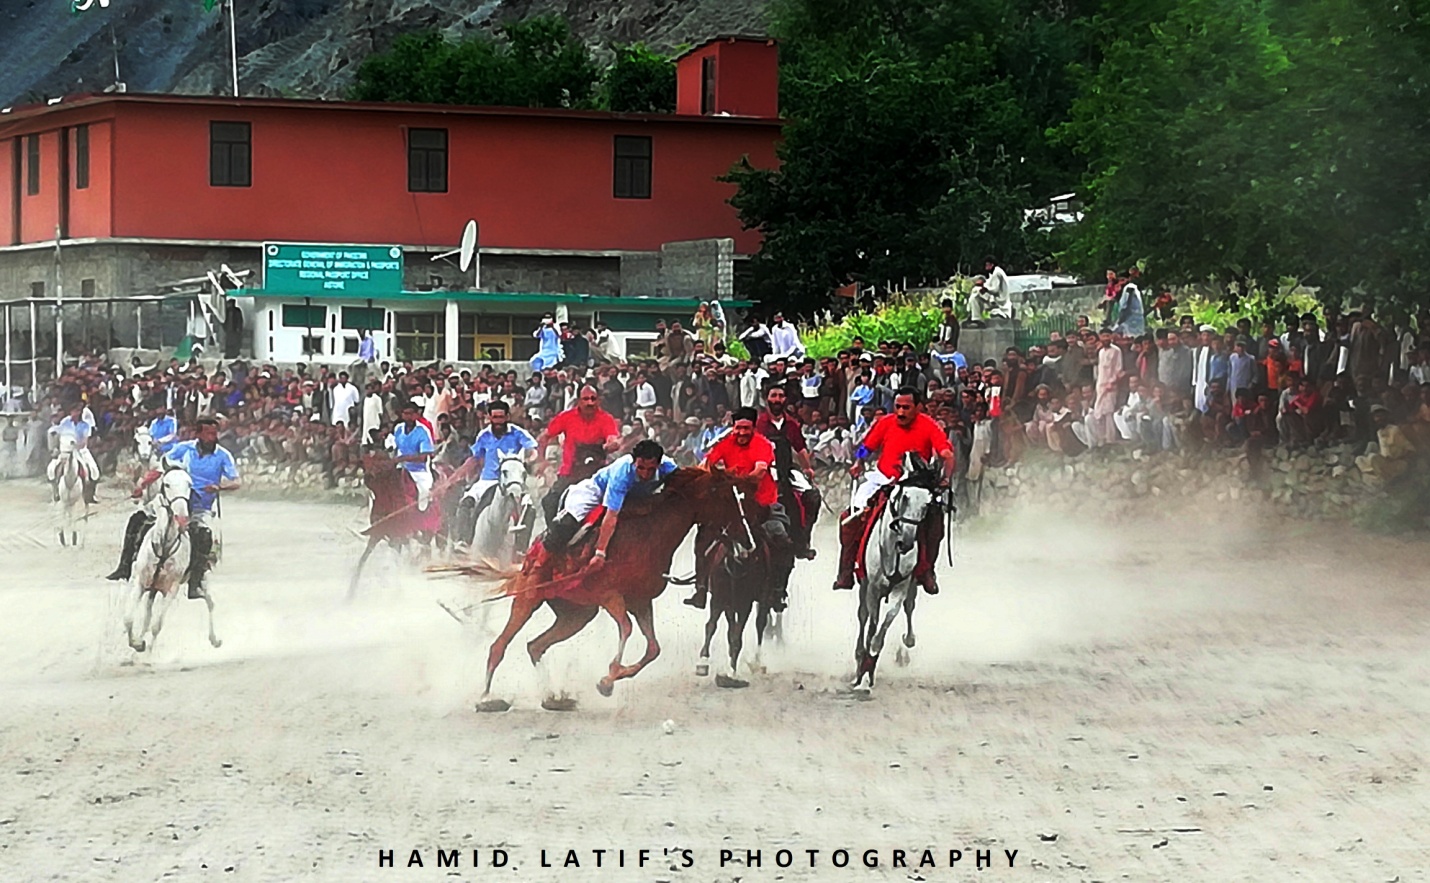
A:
40, 213
338, 175
746, 78
89, 209
8, 148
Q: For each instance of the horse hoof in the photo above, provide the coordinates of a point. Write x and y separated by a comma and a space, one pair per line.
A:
216, 642
731, 683
138, 646
909, 641
605, 686
558, 703
702, 670
489, 705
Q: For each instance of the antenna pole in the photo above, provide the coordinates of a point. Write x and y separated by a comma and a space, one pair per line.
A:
233, 46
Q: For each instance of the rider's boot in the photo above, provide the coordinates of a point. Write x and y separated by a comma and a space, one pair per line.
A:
702, 579
89, 486
810, 502
466, 521
133, 533
930, 538
201, 542
851, 532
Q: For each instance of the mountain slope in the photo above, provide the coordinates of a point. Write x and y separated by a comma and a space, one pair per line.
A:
307, 48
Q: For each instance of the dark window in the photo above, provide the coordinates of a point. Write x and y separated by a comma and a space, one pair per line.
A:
632, 167
230, 155
86, 288
32, 164
707, 85
81, 157
363, 318
37, 289
427, 160
299, 316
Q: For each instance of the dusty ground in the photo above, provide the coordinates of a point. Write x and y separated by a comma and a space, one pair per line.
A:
1163, 703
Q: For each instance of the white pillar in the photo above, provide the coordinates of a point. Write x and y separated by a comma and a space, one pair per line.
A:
34, 356
453, 330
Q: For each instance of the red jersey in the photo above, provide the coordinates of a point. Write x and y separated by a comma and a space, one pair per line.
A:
579, 431
924, 437
741, 460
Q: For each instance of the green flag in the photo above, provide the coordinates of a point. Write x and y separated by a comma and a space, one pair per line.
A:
209, 5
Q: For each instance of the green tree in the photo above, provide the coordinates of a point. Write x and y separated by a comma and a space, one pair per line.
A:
639, 80
532, 63
915, 142
1238, 140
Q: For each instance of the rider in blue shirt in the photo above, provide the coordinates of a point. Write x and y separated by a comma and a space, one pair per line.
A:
164, 430
211, 469
637, 474
500, 437
414, 447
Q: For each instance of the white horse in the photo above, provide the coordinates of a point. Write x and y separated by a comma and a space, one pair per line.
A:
889, 560
162, 563
503, 529
70, 486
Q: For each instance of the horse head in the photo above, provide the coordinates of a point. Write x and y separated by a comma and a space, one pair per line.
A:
719, 498
175, 488
67, 445
143, 444
511, 476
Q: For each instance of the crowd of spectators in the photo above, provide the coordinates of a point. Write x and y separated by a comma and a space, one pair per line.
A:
1305, 381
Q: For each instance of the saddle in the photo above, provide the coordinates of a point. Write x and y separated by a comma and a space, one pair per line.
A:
487, 496
917, 473
570, 558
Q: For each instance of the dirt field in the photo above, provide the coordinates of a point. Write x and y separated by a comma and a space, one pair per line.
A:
1168, 702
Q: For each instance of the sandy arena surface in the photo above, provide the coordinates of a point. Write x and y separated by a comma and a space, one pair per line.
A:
1167, 702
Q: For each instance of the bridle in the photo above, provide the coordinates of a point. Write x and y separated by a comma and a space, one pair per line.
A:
166, 550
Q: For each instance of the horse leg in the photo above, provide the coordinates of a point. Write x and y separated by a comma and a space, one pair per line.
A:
570, 619
869, 601
616, 607
372, 542
213, 638
160, 606
148, 615
876, 643
909, 619
702, 668
131, 607
522, 607
645, 618
735, 620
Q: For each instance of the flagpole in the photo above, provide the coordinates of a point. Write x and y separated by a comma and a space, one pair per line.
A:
233, 46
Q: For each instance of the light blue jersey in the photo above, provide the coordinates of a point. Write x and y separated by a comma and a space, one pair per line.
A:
618, 481
490, 448
204, 470
415, 441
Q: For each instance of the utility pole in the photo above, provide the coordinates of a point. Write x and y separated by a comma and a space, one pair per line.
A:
233, 46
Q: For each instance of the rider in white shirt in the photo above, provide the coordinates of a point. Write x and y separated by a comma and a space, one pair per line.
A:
74, 433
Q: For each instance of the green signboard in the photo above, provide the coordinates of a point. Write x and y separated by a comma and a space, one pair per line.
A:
362, 270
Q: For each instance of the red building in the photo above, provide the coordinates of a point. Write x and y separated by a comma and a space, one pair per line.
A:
139, 189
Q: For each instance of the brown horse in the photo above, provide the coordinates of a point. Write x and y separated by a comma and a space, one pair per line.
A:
634, 575
394, 515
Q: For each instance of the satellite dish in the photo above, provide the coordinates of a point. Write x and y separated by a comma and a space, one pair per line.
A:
469, 245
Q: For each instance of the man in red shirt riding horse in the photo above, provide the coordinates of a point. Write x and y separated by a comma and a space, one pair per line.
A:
907, 430
743, 451
587, 434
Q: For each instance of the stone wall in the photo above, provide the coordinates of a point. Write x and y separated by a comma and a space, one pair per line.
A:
1322, 483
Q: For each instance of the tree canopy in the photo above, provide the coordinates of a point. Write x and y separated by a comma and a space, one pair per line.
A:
532, 63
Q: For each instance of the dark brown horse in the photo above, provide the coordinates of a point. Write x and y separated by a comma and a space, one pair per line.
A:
394, 515
634, 575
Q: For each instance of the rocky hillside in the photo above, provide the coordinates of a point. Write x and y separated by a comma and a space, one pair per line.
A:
307, 48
